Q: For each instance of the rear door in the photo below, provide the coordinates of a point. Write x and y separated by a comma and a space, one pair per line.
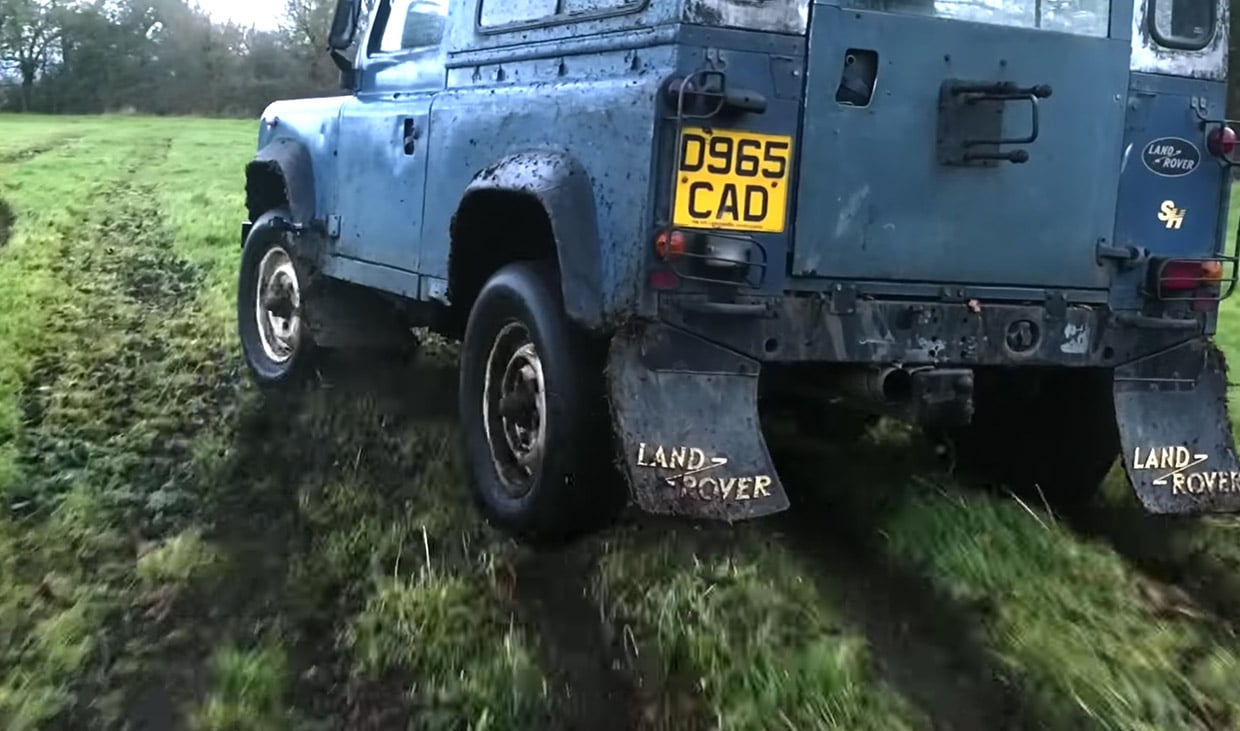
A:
888, 186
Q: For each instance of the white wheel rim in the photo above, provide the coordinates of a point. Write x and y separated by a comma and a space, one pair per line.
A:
277, 305
514, 408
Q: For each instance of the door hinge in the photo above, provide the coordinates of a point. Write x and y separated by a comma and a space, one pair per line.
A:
333, 226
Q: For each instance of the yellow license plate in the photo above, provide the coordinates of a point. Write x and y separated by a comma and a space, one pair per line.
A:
730, 179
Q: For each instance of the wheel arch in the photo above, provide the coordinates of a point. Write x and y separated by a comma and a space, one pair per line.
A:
281, 175
546, 200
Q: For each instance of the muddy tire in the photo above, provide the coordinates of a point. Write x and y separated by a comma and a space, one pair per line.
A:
1052, 435
271, 286
533, 418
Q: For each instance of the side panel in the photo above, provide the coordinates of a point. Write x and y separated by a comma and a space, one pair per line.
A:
600, 107
767, 65
1167, 164
311, 123
874, 200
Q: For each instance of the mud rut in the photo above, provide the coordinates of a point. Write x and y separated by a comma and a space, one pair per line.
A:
927, 646
108, 354
924, 645
29, 153
6, 222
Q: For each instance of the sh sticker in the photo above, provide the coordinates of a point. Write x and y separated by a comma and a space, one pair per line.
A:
1171, 157
1171, 216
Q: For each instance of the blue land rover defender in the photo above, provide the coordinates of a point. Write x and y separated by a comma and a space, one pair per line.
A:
1001, 220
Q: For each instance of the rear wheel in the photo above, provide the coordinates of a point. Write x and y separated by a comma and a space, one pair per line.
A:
533, 414
834, 424
1051, 434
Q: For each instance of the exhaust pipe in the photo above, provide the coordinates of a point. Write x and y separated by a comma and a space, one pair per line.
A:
925, 395
884, 386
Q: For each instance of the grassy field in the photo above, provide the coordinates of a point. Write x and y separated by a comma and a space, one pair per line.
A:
177, 551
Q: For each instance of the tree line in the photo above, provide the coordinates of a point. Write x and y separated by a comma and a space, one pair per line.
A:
157, 57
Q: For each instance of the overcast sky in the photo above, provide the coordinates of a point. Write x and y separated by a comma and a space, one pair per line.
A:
261, 13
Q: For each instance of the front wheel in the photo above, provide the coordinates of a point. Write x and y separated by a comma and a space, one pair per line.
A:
271, 287
533, 415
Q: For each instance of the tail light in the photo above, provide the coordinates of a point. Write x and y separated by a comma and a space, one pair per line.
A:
664, 279
669, 245
1181, 275
1221, 141
1189, 279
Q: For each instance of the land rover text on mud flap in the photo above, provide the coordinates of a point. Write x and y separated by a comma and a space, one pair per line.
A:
1002, 222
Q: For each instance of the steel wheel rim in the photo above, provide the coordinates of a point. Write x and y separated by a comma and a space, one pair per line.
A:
514, 408
277, 305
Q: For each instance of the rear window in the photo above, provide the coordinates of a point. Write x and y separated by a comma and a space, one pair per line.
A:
777, 16
1079, 17
1187, 24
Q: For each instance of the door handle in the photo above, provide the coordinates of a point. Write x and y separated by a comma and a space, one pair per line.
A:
410, 135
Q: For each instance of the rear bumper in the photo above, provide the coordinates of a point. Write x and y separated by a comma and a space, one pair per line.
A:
685, 409
824, 328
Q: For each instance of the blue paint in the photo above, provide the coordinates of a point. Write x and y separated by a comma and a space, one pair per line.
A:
882, 207
577, 104
1160, 107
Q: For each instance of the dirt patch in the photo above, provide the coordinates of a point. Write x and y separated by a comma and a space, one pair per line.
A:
7, 219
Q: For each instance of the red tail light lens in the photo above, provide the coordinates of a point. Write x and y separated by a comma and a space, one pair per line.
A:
1181, 275
1221, 141
664, 279
1191, 280
669, 245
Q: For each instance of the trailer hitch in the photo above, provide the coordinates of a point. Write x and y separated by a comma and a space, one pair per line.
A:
970, 121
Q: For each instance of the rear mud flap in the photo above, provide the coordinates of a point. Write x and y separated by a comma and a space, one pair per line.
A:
1175, 431
685, 413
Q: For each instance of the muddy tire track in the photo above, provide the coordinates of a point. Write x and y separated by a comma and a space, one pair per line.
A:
1186, 578
547, 591
80, 373
96, 407
7, 219
590, 692
926, 645
26, 154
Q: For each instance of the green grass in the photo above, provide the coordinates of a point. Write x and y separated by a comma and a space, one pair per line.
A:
249, 692
159, 516
754, 633
171, 539
1069, 621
